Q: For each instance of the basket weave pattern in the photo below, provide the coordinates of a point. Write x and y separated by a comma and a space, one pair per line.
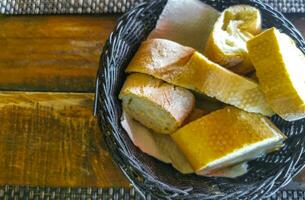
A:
151, 177
108, 6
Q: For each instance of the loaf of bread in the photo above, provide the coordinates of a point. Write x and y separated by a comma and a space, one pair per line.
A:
155, 104
226, 137
227, 42
280, 68
201, 75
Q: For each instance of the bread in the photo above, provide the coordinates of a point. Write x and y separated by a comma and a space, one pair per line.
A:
226, 137
280, 68
159, 55
163, 148
233, 171
203, 76
155, 104
227, 42
211, 79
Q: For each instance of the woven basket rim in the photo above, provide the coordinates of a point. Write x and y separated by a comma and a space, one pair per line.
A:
106, 107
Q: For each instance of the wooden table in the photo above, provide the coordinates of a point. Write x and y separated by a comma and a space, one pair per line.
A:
48, 135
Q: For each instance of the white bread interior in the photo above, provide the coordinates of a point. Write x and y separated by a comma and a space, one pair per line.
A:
157, 105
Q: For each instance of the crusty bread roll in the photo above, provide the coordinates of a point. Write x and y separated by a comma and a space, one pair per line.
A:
203, 76
226, 137
227, 42
280, 68
155, 104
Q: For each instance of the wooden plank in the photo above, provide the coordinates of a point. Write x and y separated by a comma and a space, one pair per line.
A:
60, 26
52, 139
49, 65
58, 53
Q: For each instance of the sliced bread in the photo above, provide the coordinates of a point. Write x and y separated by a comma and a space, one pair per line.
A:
203, 76
280, 68
227, 42
155, 104
163, 148
226, 137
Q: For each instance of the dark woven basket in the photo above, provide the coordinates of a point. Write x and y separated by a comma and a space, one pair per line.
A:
151, 177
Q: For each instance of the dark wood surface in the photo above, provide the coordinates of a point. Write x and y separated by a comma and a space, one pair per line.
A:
51, 53
53, 139
48, 135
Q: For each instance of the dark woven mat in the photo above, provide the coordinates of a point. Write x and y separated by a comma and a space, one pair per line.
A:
25, 192
108, 6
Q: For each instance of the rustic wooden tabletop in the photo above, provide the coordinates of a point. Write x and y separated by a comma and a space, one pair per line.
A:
48, 135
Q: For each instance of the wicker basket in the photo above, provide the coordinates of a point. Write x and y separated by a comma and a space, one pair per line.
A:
152, 177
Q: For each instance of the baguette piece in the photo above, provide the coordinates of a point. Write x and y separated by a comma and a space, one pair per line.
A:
280, 68
226, 137
163, 148
227, 42
205, 77
155, 104
159, 55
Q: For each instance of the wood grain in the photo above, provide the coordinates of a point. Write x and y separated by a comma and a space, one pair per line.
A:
52, 139
58, 53
94, 27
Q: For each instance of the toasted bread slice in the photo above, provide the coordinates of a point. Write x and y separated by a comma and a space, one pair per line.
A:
227, 42
226, 137
157, 105
280, 68
206, 77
